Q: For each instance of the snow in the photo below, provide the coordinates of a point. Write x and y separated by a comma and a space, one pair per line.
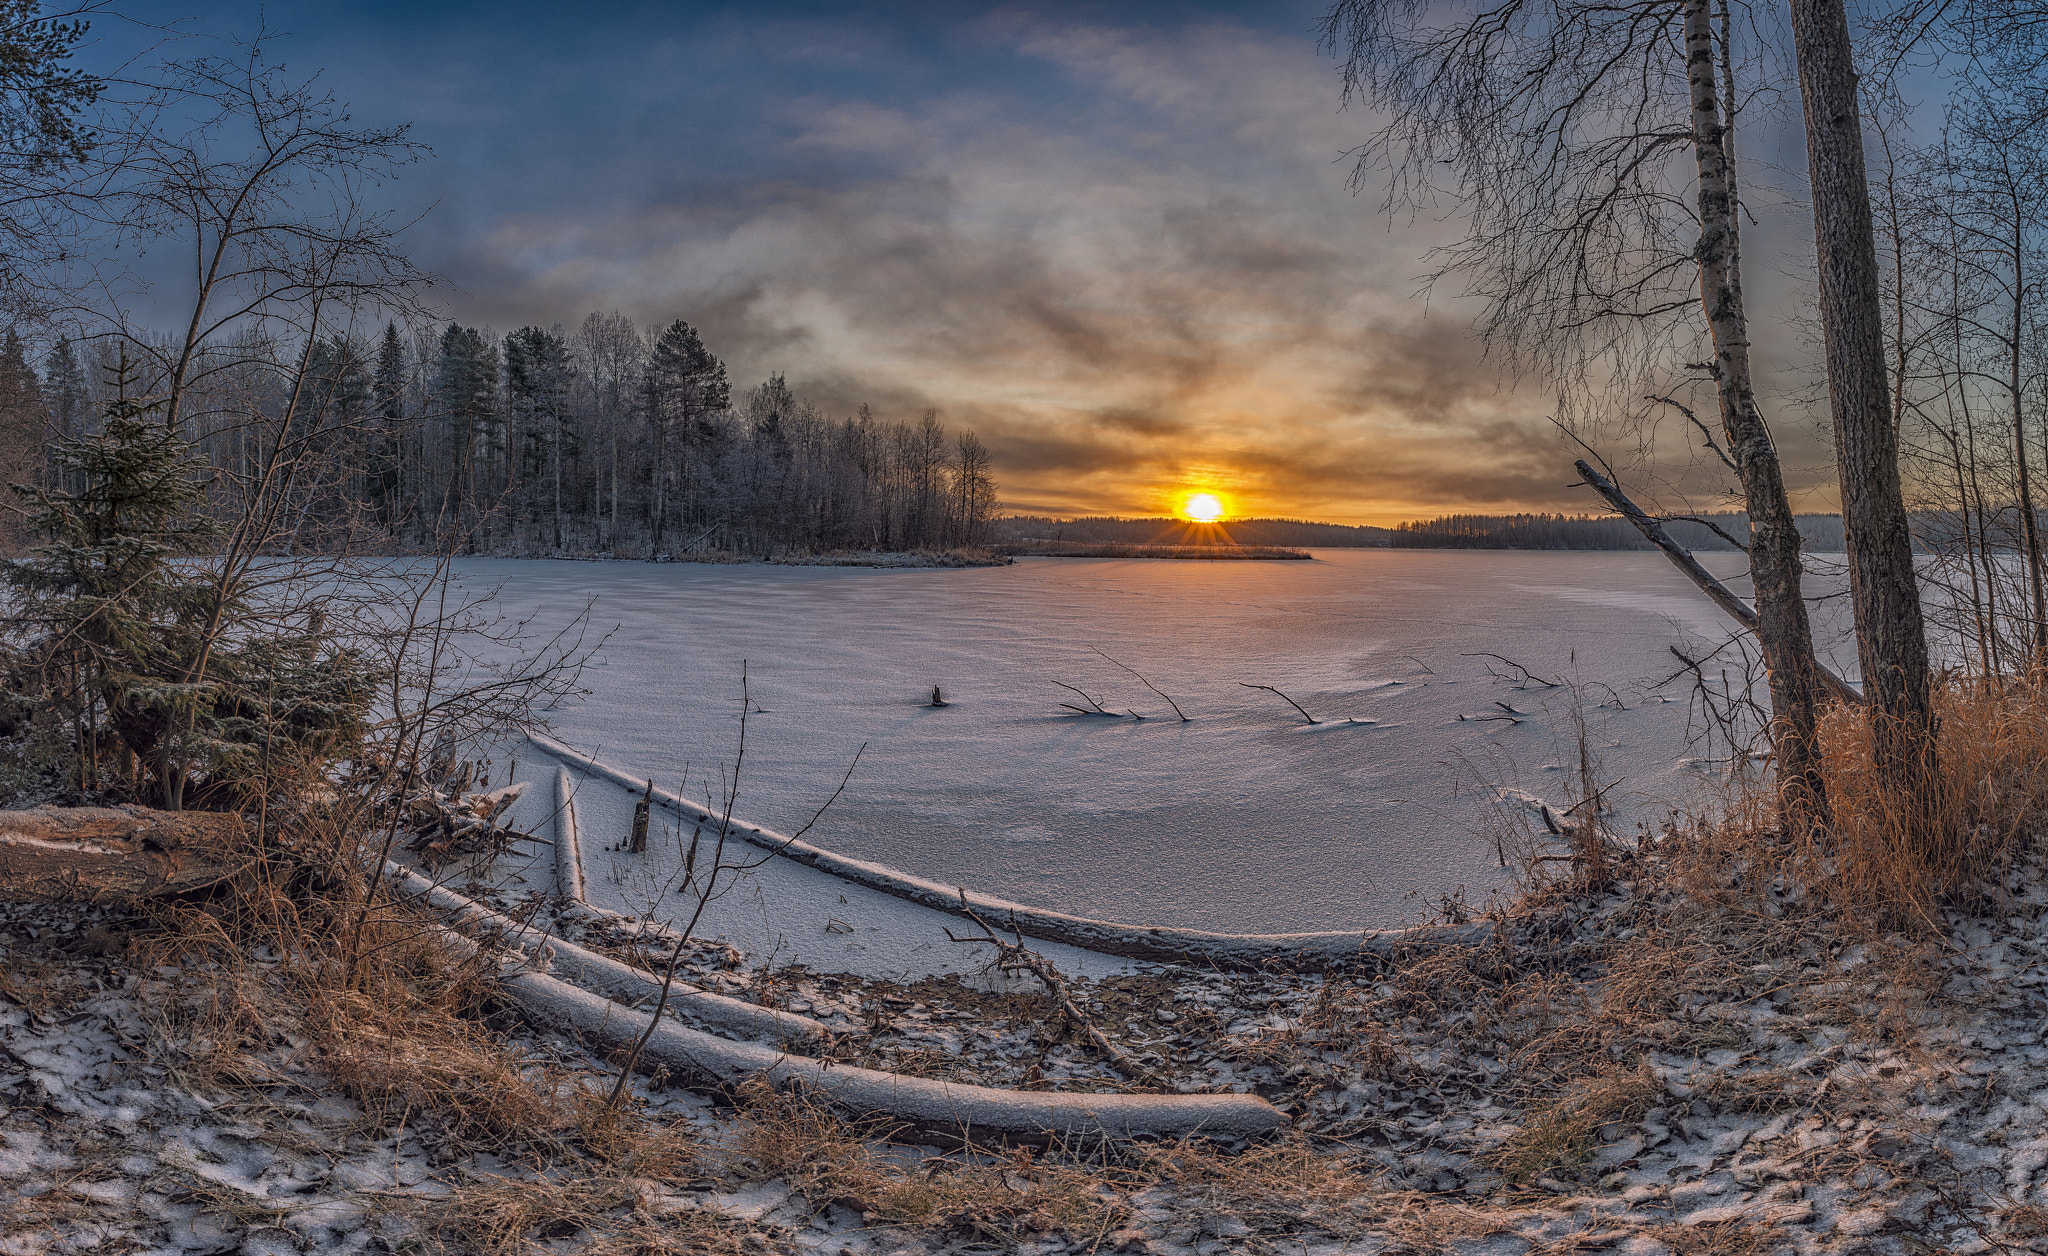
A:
1243, 820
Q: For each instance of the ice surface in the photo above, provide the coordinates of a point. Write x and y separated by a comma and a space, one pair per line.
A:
1234, 821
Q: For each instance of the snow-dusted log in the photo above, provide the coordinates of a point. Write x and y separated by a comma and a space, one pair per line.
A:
1308, 951
108, 854
568, 839
605, 975
933, 1108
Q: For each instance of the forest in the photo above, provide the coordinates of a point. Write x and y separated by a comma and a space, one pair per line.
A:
608, 441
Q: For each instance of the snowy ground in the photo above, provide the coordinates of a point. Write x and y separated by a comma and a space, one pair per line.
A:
1245, 819
1627, 1071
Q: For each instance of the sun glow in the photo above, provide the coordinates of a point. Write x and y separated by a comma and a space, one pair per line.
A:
1203, 508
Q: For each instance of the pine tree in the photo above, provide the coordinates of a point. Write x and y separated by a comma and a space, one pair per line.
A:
21, 429
686, 385
158, 665
110, 618
387, 399
466, 399
539, 370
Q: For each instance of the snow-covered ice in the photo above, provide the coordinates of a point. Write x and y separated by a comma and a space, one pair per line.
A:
1235, 821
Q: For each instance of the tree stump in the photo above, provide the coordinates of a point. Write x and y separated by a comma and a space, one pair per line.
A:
109, 854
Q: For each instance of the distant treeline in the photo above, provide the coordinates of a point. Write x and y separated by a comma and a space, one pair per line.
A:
1109, 530
1822, 533
608, 439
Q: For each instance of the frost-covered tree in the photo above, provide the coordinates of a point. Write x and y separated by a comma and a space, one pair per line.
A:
686, 385
539, 372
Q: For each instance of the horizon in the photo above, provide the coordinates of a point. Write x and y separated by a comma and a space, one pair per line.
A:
1028, 218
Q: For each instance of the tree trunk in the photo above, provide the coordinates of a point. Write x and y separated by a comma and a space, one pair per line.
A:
1891, 639
116, 854
1782, 628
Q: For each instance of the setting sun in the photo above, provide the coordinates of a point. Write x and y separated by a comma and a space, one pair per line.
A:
1203, 508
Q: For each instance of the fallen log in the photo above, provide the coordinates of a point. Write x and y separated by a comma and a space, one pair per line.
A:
568, 839
1304, 952
931, 1108
603, 974
115, 854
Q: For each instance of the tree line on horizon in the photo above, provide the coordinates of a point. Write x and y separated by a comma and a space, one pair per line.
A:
611, 440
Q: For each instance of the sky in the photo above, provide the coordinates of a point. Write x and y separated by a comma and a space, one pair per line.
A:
1118, 241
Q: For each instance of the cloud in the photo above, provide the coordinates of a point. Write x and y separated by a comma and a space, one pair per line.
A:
1146, 276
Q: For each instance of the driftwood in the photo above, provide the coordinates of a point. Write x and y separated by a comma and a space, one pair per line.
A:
1307, 952
112, 854
1724, 597
946, 1110
448, 826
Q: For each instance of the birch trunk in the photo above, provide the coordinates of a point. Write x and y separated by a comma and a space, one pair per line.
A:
1782, 628
1891, 639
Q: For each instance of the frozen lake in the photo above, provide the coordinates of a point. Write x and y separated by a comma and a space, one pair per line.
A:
1243, 819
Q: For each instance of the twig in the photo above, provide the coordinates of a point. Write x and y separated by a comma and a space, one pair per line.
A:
1015, 955
1290, 702
1708, 524
1148, 684
1526, 677
1705, 434
1419, 663
1093, 707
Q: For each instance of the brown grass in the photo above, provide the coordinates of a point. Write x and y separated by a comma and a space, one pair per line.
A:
996, 1196
1558, 1139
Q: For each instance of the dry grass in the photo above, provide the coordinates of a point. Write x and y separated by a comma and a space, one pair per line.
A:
997, 1196
1893, 858
1558, 1139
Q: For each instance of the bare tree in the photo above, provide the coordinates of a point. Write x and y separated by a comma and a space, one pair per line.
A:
1561, 132
1891, 639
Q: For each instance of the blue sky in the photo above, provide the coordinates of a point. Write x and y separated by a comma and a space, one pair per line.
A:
1115, 239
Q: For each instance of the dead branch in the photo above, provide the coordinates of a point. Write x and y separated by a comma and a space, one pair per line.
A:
1016, 957
1722, 596
1093, 707
1522, 676
1148, 684
1289, 701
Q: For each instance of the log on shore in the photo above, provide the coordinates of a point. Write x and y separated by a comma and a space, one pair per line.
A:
946, 1111
114, 854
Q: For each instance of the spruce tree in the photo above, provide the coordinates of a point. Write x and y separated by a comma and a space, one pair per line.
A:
108, 619
22, 421
387, 399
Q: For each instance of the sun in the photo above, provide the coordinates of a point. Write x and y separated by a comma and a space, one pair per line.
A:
1203, 508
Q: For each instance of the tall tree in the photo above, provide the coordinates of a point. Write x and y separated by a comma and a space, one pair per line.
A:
1891, 639
387, 398
1561, 129
466, 406
539, 371
22, 430
685, 386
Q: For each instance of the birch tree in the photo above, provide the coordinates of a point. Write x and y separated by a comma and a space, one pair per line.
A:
1589, 150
